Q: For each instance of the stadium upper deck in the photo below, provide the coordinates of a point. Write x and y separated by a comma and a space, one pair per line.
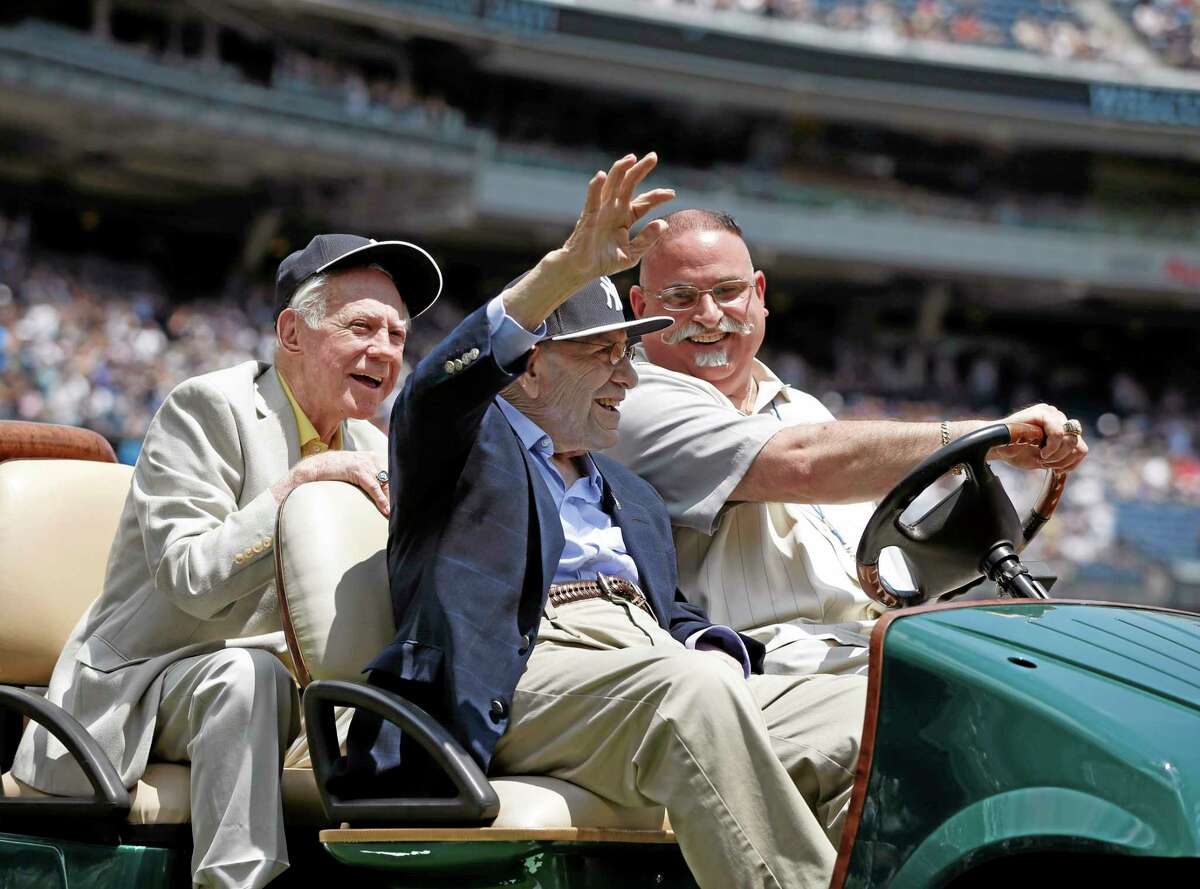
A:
361, 128
1123, 99
360, 143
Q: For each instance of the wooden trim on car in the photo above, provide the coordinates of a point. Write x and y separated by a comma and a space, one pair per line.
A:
494, 835
872, 585
862, 773
866, 748
22, 440
1026, 434
1056, 479
1052, 491
301, 671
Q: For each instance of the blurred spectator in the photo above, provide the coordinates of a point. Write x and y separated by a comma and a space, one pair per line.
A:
359, 91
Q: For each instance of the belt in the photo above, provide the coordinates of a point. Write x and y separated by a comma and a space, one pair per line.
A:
603, 587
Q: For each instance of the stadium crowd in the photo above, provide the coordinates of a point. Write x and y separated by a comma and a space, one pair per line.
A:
362, 91
1124, 32
1050, 28
90, 342
1169, 27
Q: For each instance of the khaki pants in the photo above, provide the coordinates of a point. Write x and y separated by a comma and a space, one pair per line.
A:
755, 774
231, 714
796, 651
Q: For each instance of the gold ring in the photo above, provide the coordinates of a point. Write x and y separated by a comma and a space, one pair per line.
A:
1073, 427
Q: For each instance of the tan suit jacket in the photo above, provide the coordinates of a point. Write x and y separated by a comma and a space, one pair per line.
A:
191, 569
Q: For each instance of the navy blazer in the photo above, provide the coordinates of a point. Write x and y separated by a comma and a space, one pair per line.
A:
475, 539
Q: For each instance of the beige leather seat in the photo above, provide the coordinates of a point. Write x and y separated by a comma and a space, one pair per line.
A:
57, 521
330, 556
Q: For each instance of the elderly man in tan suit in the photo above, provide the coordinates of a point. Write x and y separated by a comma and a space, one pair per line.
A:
179, 658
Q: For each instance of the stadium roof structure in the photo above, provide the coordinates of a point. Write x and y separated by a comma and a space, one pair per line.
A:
792, 67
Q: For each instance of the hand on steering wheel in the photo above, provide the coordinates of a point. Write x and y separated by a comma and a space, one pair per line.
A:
955, 544
1063, 446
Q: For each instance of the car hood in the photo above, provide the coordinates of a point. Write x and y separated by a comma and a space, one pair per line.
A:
1155, 651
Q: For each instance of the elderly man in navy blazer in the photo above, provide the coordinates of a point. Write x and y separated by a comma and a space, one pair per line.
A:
535, 595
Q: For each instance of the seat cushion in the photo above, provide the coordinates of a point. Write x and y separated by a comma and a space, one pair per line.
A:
526, 803
331, 556
54, 560
530, 802
162, 796
301, 799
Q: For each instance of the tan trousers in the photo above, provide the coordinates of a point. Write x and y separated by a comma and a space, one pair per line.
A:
231, 714
755, 774
795, 651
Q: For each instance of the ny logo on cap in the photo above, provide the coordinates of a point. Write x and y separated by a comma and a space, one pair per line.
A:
611, 297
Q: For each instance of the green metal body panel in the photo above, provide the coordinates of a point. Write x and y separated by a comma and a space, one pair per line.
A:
28, 862
480, 864
33, 863
1018, 727
520, 865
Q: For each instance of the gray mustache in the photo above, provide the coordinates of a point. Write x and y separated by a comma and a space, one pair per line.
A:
691, 328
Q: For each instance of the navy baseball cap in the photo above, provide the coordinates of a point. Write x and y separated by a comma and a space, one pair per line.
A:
593, 309
413, 270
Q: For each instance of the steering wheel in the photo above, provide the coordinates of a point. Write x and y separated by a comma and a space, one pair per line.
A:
974, 532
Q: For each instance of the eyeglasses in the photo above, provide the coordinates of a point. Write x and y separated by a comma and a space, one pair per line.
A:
616, 352
685, 296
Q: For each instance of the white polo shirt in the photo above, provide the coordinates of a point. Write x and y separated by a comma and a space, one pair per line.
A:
750, 565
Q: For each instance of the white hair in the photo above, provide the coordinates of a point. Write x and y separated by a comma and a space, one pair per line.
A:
716, 358
310, 303
309, 300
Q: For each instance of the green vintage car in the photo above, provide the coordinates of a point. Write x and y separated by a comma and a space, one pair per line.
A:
1005, 739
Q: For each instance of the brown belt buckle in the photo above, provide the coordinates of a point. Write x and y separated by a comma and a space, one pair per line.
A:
635, 596
605, 583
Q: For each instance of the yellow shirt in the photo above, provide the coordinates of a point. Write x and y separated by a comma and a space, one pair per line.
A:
310, 441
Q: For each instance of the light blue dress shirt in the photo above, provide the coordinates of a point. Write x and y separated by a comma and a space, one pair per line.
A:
592, 542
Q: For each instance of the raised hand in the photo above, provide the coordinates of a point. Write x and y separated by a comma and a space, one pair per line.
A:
601, 243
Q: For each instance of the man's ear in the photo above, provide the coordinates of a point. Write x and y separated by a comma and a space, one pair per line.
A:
287, 330
760, 287
531, 381
637, 299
